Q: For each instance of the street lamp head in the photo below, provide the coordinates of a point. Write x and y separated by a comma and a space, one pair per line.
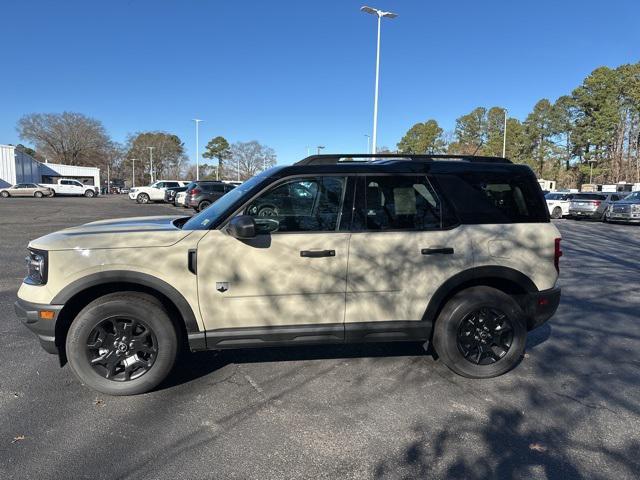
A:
379, 13
320, 147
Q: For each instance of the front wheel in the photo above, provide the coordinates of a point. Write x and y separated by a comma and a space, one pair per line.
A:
556, 213
38, 195
142, 198
122, 344
4, 194
480, 333
89, 194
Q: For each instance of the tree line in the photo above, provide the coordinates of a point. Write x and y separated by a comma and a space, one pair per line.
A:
76, 139
593, 130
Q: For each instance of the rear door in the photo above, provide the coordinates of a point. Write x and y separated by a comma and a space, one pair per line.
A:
403, 247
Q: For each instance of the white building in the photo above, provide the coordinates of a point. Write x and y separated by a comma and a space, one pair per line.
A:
19, 167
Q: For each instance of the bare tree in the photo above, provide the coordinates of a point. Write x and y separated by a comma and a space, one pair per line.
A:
68, 138
249, 159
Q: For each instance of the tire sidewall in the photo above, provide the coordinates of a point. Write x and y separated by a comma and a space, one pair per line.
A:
38, 195
142, 198
89, 194
151, 314
5, 194
556, 213
204, 205
451, 317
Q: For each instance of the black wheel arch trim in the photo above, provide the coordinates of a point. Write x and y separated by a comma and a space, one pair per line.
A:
143, 279
470, 276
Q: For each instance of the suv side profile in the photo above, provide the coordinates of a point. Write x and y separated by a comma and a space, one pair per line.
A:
458, 251
155, 191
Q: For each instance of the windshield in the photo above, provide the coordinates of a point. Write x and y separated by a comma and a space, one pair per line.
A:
633, 196
211, 216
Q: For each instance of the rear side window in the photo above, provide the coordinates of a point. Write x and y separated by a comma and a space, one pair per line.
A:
398, 202
494, 197
171, 184
589, 196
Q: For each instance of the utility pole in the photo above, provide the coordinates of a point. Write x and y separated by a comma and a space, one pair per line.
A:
591, 162
197, 120
108, 180
320, 147
133, 173
504, 138
151, 161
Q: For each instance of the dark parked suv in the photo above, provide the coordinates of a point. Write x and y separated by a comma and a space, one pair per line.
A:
203, 194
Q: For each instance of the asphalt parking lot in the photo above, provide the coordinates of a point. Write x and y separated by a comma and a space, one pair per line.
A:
571, 409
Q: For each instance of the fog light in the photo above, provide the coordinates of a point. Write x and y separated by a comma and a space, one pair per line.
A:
542, 301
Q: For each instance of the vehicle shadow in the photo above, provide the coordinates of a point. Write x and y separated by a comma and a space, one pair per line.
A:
194, 365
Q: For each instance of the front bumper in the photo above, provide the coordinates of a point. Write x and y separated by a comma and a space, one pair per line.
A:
29, 314
541, 306
624, 217
132, 195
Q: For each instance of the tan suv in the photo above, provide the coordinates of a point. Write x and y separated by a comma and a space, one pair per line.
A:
454, 250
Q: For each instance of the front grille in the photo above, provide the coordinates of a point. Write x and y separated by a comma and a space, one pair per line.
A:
621, 208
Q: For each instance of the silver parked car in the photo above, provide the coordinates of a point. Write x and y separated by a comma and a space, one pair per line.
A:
26, 190
592, 204
626, 210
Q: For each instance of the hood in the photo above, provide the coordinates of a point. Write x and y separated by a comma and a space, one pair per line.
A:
115, 233
626, 202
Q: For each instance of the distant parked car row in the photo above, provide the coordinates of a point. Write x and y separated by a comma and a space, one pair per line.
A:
604, 206
64, 186
197, 195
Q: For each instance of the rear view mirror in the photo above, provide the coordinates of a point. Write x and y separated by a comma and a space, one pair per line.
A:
242, 227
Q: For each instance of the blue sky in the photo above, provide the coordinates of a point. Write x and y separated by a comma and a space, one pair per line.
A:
297, 73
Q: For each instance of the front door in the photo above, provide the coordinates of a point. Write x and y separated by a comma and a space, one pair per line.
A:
292, 274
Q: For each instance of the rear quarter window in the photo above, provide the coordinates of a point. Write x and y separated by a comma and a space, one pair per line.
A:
494, 197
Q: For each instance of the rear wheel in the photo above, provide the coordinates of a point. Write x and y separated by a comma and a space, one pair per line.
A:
122, 344
480, 333
556, 212
203, 205
89, 194
142, 198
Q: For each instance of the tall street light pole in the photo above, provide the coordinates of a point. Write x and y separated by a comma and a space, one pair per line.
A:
151, 161
197, 120
368, 143
504, 138
379, 14
591, 162
320, 147
133, 173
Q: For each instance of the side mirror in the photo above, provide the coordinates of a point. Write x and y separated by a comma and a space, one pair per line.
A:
242, 227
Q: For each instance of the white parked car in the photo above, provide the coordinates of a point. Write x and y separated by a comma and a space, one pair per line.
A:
155, 191
68, 186
180, 200
558, 203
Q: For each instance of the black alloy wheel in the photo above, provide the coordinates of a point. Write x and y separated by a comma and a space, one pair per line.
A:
122, 349
485, 336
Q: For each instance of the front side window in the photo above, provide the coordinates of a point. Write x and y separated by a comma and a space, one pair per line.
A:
301, 205
398, 203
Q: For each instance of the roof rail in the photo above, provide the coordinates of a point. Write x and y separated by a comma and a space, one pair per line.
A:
334, 158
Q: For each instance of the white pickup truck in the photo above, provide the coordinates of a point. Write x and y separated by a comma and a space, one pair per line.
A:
67, 186
155, 191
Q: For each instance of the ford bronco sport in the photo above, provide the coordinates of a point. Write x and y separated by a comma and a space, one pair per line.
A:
454, 250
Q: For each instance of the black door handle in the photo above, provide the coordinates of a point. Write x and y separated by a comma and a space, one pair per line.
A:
317, 253
431, 251
192, 261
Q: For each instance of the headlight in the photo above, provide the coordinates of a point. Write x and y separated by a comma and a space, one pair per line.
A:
36, 267
635, 208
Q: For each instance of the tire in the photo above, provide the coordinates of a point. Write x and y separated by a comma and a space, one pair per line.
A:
4, 194
268, 211
203, 205
38, 194
142, 198
556, 213
89, 194
95, 325
451, 332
